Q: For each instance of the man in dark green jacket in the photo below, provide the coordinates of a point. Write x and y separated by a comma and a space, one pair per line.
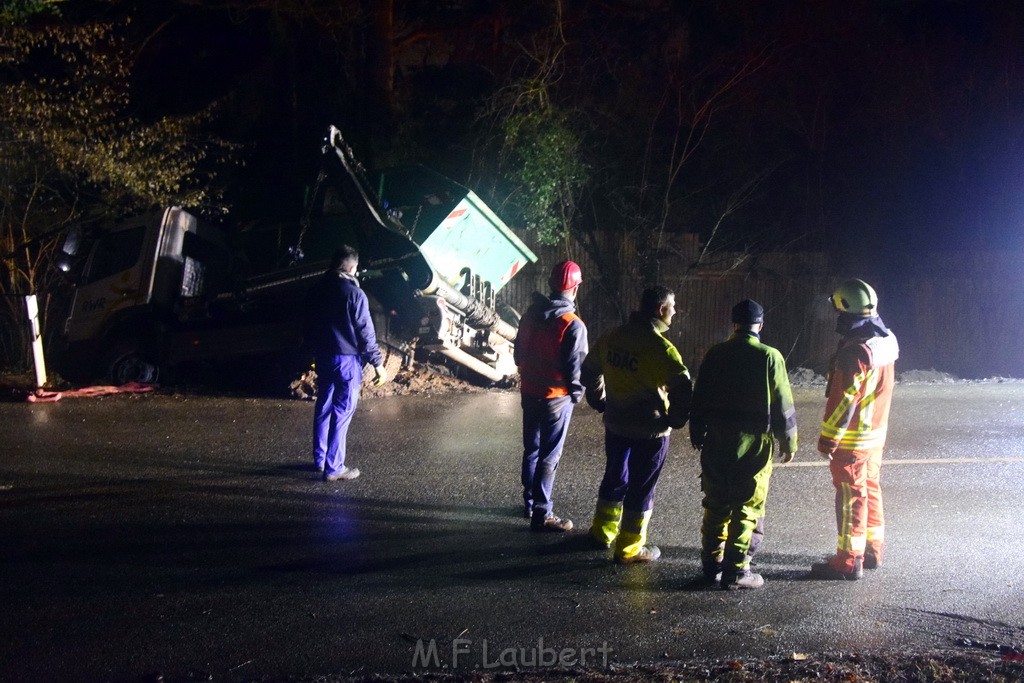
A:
742, 399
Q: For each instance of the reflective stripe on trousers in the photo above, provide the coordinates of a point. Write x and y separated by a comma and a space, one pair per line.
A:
859, 511
607, 518
731, 532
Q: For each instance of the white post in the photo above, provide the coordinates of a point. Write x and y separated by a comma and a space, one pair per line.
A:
37, 339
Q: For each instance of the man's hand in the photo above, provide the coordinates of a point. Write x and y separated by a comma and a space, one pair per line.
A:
380, 375
597, 402
787, 456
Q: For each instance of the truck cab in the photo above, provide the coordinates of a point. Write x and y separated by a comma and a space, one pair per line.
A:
139, 280
167, 288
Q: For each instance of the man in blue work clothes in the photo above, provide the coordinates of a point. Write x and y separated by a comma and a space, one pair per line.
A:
340, 333
549, 350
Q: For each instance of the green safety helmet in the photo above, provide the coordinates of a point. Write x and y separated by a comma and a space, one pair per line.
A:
855, 297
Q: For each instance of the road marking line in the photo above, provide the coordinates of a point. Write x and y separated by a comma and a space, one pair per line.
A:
910, 461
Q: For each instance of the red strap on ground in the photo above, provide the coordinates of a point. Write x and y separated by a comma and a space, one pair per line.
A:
42, 396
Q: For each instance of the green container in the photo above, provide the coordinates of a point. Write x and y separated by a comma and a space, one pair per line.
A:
454, 228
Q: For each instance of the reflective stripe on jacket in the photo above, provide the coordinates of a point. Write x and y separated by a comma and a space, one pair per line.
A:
859, 393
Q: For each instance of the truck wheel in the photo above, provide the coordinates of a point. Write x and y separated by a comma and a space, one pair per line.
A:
125, 364
304, 385
509, 314
392, 364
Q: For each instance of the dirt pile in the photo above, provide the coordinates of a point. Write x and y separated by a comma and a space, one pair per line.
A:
935, 667
805, 377
926, 377
421, 379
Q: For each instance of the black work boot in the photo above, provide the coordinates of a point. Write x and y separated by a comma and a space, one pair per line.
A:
825, 571
712, 570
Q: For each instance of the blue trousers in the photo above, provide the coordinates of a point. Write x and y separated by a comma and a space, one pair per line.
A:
545, 424
631, 471
338, 379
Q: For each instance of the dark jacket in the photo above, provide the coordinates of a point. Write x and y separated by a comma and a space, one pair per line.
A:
550, 348
742, 386
338, 319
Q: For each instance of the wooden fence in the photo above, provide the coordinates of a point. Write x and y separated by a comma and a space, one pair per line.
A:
961, 314
793, 289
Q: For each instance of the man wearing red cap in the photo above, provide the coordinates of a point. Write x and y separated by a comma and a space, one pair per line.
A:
549, 350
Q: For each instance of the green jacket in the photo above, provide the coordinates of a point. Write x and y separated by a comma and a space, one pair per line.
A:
637, 378
742, 385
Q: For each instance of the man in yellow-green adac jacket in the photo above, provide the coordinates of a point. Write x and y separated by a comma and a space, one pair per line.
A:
635, 376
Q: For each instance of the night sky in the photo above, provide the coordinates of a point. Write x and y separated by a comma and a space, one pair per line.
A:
887, 122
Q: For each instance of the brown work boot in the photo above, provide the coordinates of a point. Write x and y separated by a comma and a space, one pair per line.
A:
551, 524
825, 571
648, 553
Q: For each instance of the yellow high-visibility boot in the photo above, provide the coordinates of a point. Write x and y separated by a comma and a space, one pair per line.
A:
629, 546
607, 516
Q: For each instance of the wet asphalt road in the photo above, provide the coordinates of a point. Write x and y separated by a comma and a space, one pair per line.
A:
185, 535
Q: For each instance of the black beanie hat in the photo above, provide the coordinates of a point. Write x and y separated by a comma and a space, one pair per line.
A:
748, 312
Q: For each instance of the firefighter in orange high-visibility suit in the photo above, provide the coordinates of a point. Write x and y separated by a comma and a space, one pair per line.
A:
858, 395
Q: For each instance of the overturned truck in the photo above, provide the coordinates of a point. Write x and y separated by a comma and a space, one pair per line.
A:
169, 290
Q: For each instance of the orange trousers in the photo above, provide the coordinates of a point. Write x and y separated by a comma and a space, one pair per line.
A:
860, 519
